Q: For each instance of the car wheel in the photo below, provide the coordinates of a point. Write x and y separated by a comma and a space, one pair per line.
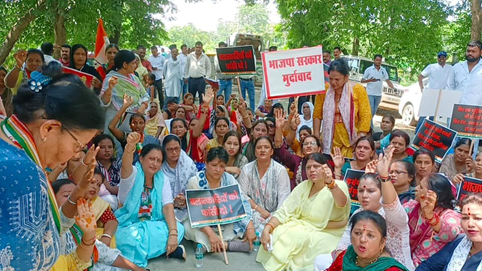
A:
408, 115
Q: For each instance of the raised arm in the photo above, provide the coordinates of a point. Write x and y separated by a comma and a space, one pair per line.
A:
338, 195
244, 114
294, 123
12, 77
106, 96
339, 161
280, 122
128, 101
128, 157
207, 98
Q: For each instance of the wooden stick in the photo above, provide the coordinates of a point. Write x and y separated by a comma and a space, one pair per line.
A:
471, 151
435, 117
222, 239
239, 88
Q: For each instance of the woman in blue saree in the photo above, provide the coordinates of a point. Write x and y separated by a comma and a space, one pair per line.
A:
147, 226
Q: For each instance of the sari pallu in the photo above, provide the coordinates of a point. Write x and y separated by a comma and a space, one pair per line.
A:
382, 264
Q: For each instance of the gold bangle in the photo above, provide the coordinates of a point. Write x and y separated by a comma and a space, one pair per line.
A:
331, 185
130, 151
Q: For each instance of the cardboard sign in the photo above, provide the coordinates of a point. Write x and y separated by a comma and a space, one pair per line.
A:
291, 73
467, 120
236, 60
209, 207
469, 185
438, 102
434, 137
85, 77
352, 179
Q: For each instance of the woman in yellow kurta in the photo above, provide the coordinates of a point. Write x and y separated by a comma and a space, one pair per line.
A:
300, 229
344, 109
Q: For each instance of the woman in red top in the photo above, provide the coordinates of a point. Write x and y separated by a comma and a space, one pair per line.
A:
367, 252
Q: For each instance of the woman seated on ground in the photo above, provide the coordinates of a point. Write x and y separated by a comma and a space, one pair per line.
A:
191, 108
180, 113
307, 118
401, 143
265, 182
387, 124
424, 161
478, 167
367, 251
465, 252
66, 170
171, 106
147, 225
232, 144
108, 162
458, 162
432, 220
178, 168
277, 107
137, 123
33, 59
259, 129
109, 258
263, 110
294, 163
402, 175
155, 125
364, 153
298, 228
221, 127
377, 194
214, 176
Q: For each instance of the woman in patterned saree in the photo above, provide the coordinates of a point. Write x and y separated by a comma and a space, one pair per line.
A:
48, 127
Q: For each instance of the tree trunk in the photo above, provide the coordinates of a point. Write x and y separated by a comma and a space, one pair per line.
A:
115, 36
355, 47
18, 28
476, 20
59, 31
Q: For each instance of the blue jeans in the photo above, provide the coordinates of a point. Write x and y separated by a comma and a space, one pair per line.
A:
184, 87
227, 87
248, 85
374, 103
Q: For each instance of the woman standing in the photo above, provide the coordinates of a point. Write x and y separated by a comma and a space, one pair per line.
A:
368, 251
458, 162
432, 220
265, 182
214, 176
6, 95
232, 144
344, 109
307, 118
148, 212
78, 61
465, 252
178, 168
110, 51
119, 82
33, 60
48, 128
424, 161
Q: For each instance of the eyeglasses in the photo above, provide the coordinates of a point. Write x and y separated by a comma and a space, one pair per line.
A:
313, 144
81, 146
176, 149
396, 172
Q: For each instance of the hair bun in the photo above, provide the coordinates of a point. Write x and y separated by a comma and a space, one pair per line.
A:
53, 69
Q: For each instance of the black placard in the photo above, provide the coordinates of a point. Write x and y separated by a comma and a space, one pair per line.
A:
434, 137
467, 120
236, 60
352, 179
209, 207
469, 185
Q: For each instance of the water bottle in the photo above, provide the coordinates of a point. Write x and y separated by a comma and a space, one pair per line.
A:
199, 256
257, 242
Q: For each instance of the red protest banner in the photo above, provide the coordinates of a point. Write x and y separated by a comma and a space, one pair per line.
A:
434, 137
209, 207
85, 77
467, 120
295, 72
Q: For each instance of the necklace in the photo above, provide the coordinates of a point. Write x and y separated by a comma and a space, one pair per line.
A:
375, 260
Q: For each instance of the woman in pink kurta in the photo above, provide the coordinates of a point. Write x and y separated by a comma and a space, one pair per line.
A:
432, 220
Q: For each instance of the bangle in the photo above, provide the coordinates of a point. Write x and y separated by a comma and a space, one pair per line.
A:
383, 179
18, 68
173, 230
70, 201
271, 225
130, 151
256, 207
106, 235
331, 185
83, 242
250, 228
245, 117
437, 220
83, 162
172, 234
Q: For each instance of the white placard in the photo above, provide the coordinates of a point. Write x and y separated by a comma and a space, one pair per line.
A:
294, 72
447, 99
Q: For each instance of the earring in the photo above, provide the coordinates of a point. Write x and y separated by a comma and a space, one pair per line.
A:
44, 139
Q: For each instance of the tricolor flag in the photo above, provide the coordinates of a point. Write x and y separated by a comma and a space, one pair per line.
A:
101, 42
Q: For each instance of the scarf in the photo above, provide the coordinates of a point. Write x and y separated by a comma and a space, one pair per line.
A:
347, 111
304, 122
178, 177
264, 192
383, 263
19, 134
460, 254
129, 213
130, 85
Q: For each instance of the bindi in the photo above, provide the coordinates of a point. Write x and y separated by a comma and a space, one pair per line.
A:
364, 187
468, 211
364, 227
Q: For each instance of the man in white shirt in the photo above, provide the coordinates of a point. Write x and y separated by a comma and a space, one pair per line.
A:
198, 66
48, 49
173, 76
374, 77
183, 59
466, 76
157, 63
437, 73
